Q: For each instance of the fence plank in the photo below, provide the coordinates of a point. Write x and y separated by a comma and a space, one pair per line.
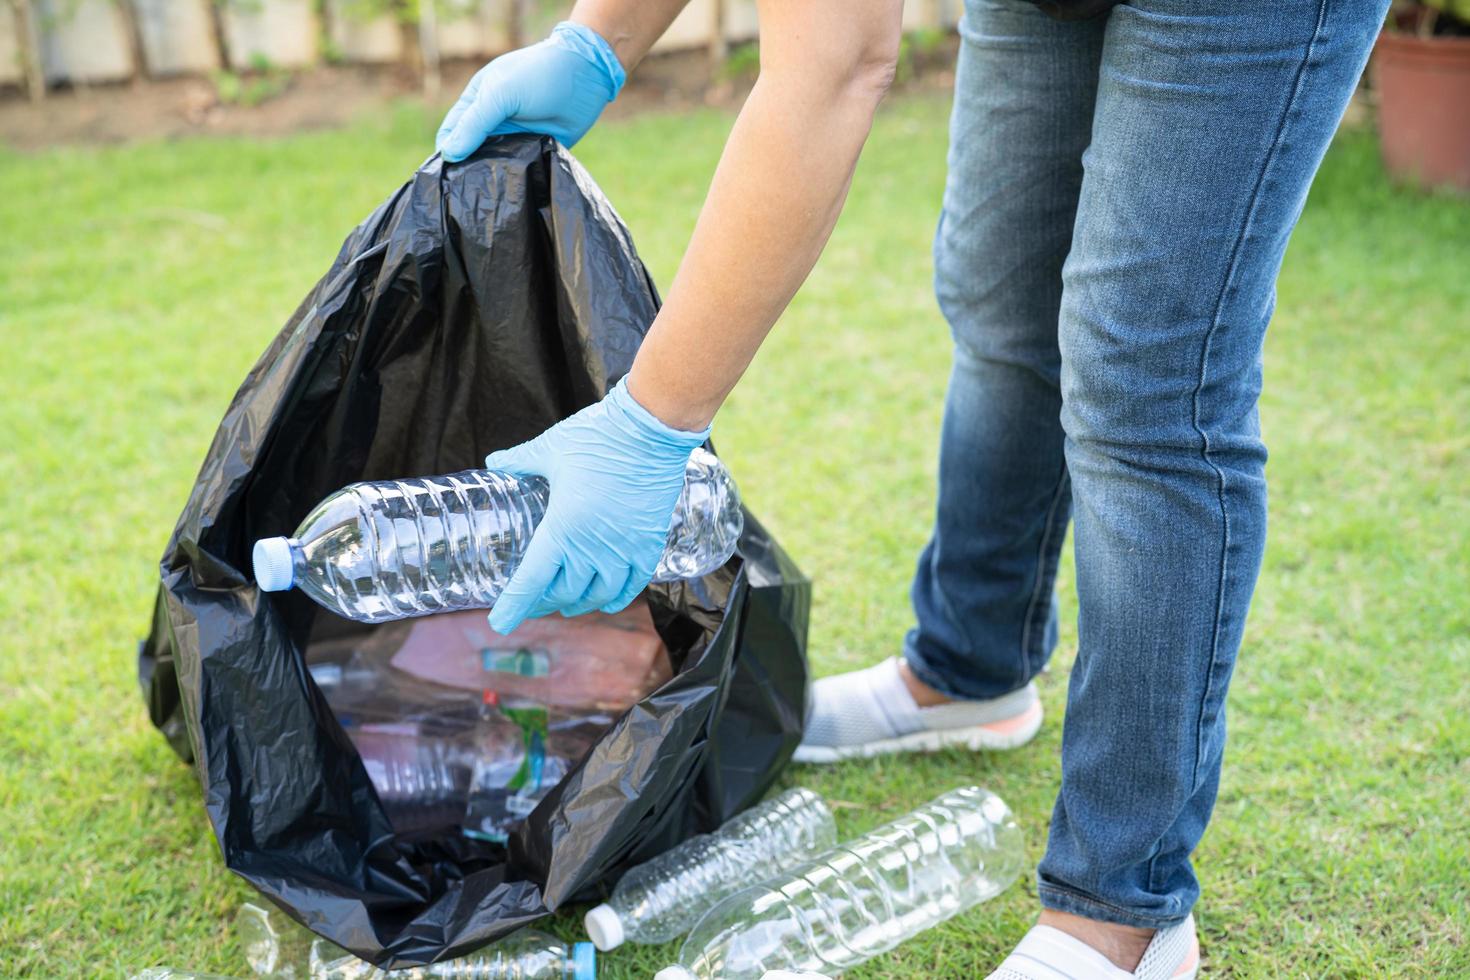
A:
281, 31
362, 36
178, 38
82, 42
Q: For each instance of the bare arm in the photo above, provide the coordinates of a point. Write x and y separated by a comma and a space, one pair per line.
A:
776, 194
630, 26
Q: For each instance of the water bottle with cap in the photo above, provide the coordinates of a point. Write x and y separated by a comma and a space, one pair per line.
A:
861, 898
392, 549
660, 899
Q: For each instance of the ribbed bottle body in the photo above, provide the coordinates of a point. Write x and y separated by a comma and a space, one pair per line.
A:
392, 549
661, 899
863, 897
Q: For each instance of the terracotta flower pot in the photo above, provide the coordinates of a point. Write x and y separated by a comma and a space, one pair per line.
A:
1424, 107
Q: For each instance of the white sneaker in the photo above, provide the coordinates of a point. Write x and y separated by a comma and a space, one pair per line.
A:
1050, 954
871, 712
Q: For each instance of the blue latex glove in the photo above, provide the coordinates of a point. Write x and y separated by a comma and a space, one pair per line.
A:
558, 87
616, 472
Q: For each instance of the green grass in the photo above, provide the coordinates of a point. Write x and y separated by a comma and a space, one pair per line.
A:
138, 284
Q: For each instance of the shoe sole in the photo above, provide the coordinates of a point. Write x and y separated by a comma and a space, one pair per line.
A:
994, 736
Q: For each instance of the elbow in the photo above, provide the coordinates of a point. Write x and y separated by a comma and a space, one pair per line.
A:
854, 65
873, 71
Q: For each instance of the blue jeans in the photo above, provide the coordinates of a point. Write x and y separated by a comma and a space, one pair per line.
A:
1120, 195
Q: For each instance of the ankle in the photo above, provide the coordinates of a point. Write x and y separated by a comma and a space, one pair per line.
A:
1123, 945
924, 695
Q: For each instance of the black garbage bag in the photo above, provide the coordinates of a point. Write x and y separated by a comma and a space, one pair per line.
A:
477, 306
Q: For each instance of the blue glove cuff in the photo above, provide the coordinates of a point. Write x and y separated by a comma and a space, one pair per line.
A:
625, 408
593, 48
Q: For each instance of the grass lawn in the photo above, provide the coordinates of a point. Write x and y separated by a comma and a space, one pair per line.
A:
138, 284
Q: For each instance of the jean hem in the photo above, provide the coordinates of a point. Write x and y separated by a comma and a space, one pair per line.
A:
1060, 899
929, 677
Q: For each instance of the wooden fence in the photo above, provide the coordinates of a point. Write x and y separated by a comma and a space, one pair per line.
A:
48, 42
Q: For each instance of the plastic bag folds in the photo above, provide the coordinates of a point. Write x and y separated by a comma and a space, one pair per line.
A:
481, 303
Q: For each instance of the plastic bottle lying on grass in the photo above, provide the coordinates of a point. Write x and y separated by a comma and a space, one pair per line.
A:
660, 899
861, 898
278, 949
527, 954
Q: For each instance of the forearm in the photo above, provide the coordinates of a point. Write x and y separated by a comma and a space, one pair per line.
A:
775, 197
630, 26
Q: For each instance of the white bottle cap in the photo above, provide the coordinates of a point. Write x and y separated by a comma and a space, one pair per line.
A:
272, 561
604, 927
673, 973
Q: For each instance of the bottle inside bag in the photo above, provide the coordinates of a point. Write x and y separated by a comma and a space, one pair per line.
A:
462, 730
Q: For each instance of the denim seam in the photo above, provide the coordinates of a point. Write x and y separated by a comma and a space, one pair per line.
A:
1045, 571
1062, 895
1230, 274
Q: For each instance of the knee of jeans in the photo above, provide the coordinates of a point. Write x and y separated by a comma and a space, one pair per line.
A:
1138, 408
994, 318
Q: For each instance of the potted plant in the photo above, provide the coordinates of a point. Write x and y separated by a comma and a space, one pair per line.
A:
1422, 74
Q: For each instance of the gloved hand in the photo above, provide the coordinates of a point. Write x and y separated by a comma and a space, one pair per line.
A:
557, 87
616, 472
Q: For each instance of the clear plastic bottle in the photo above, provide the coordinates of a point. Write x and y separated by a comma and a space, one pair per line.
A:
398, 548
660, 899
169, 973
863, 897
527, 954
278, 949
274, 946
423, 781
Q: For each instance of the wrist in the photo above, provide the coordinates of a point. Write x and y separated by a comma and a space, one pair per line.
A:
675, 428
593, 48
668, 407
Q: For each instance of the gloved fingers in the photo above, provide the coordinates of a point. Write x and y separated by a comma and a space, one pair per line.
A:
636, 582
523, 460
457, 111
604, 587
539, 567
566, 589
480, 118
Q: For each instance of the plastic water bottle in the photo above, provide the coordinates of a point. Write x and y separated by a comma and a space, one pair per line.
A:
861, 898
274, 946
279, 949
423, 781
527, 954
660, 899
392, 549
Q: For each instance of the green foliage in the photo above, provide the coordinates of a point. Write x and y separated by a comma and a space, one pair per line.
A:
926, 40
1458, 9
742, 62
141, 282
915, 46
332, 52
263, 83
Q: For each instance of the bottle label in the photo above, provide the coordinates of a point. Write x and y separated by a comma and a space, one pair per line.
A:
522, 661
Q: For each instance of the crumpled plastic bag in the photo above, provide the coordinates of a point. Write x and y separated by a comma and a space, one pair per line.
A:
478, 305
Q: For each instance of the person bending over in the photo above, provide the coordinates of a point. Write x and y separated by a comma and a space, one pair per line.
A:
1122, 183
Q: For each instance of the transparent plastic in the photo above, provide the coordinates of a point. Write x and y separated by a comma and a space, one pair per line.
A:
274, 946
863, 897
449, 759
393, 549
661, 899
528, 954
423, 781
278, 949
169, 973
524, 751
